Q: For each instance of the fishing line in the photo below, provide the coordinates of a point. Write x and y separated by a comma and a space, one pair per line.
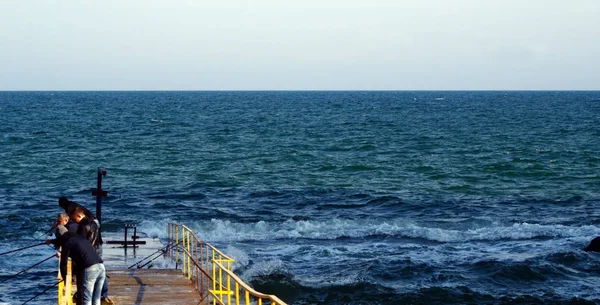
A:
39, 236
43, 235
163, 250
39, 294
143, 259
151, 261
16, 250
25, 270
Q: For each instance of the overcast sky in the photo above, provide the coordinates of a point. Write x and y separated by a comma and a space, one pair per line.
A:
300, 45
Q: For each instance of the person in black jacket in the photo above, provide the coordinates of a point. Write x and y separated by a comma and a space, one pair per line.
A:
89, 267
89, 228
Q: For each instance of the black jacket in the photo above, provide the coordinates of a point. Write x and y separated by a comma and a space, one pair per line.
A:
81, 253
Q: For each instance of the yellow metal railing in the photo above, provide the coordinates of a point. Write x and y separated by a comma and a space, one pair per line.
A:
65, 289
210, 271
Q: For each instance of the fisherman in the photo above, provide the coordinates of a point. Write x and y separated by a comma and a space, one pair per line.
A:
89, 267
62, 225
88, 228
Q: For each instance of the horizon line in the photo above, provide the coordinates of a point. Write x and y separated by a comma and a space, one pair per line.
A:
300, 90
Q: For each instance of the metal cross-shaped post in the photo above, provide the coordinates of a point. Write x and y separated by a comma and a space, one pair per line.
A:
99, 193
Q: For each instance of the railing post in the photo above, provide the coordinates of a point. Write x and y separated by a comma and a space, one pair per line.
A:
187, 257
61, 289
168, 240
214, 274
197, 273
189, 247
64, 286
228, 283
237, 293
184, 247
69, 280
183, 256
176, 243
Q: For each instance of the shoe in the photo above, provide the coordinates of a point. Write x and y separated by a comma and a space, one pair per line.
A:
106, 301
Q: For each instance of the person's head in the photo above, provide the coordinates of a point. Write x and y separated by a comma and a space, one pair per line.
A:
78, 214
62, 219
63, 202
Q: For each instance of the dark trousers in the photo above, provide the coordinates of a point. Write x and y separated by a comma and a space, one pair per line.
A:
105, 288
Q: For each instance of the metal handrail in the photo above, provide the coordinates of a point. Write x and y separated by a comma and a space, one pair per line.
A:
246, 289
210, 270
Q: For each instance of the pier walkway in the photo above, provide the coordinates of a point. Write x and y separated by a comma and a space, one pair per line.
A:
161, 284
151, 287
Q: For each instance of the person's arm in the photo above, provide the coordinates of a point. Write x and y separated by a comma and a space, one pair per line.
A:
51, 241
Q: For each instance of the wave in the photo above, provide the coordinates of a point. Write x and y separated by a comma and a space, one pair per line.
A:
217, 230
364, 291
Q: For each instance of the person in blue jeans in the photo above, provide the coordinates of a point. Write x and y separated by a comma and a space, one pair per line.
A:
90, 228
89, 267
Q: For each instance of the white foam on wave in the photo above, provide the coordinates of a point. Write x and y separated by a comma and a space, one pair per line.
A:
491, 242
264, 268
317, 243
226, 231
241, 257
154, 228
516, 231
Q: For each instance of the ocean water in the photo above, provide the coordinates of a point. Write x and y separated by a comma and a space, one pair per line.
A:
323, 197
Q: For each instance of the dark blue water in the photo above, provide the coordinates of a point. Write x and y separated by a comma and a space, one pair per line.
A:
324, 197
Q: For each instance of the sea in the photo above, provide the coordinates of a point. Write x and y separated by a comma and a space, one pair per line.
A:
322, 197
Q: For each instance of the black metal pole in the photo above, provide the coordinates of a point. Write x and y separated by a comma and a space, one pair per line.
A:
99, 193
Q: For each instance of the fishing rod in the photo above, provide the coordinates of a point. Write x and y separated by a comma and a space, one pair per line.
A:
150, 261
25, 270
46, 290
163, 250
17, 250
42, 235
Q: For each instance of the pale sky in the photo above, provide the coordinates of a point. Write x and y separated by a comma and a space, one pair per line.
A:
300, 45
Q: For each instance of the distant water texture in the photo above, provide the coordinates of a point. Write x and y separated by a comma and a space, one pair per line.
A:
323, 197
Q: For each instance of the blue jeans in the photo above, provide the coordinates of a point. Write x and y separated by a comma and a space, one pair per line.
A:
93, 279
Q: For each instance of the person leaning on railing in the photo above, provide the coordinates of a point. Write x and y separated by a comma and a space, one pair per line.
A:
89, 228
89, 267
